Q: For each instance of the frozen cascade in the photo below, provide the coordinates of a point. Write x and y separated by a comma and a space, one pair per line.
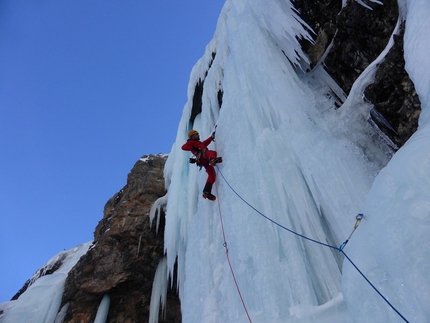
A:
394, 244
309, 167
41, 301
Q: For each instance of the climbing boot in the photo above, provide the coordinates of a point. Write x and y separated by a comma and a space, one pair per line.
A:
209, 196
207, 192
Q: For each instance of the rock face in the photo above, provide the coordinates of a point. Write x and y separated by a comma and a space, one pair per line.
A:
125, 254
357, 36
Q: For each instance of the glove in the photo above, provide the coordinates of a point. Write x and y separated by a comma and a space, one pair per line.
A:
192, 160
213, 135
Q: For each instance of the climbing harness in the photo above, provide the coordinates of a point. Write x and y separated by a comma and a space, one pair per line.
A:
196, 160
359, 217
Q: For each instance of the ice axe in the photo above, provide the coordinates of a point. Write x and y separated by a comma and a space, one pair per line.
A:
213, 133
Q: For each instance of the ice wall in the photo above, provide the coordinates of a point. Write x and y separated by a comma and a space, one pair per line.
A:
293, 157
394, 245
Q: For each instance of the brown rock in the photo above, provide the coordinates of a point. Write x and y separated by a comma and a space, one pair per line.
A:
125, 254
358, 35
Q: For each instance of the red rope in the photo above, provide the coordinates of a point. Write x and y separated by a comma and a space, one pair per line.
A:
228, 258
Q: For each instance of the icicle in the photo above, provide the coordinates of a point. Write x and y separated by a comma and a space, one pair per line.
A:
156, 210
367, 76
140, 241
103, 310
159, 292
62, 314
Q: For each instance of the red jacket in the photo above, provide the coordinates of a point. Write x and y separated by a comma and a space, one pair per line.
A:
203, 155
200, 150
196, 146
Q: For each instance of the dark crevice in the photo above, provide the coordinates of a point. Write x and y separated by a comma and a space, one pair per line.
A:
197, 101
197, 106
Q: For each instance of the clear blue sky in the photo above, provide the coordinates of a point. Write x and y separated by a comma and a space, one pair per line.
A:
86, 88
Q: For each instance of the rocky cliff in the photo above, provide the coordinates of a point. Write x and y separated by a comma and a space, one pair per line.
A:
125, 254
348, 40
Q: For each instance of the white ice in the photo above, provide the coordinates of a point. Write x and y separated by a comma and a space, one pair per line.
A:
307, 166
103, 310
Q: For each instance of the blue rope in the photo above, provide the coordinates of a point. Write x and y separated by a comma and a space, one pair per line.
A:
383, 297
340, 249
273, 221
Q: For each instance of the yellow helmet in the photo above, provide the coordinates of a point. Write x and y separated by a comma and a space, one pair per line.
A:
192, 133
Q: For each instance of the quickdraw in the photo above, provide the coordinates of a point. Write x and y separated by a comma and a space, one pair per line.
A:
358, 219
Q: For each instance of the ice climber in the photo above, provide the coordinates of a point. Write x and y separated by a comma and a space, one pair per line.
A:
204, 158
